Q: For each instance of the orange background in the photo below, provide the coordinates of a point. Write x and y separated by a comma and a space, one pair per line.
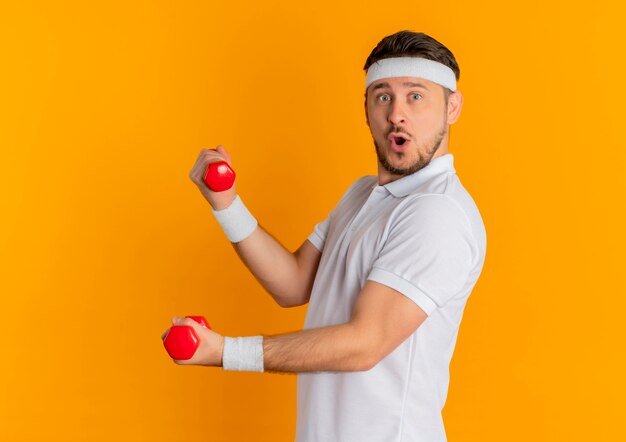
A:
103, 110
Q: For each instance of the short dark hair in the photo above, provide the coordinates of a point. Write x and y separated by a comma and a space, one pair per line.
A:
414, 44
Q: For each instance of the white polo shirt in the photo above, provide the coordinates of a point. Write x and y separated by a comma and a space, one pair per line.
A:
423, 236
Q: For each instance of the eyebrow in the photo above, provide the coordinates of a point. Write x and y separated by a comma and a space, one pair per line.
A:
405, 84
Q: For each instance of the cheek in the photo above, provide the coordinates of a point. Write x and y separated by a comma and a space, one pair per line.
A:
376, 122
428, 119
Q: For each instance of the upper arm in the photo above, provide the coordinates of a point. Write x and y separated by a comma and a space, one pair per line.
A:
429, 253
384, 318
424, 262
308, 259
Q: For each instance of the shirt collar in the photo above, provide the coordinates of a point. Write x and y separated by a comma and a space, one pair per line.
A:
403, 186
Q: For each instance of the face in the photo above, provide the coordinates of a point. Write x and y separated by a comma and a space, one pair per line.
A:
408, 118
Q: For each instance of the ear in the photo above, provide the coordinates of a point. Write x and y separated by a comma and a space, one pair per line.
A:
455, 103
367, 120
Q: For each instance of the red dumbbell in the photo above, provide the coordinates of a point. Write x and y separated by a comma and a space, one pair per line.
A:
219, 176
181, 342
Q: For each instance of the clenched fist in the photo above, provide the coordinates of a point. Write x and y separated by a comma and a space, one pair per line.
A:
218, 200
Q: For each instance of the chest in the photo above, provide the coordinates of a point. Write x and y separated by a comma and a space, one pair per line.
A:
359, 230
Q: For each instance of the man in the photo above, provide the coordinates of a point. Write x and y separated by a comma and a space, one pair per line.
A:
386, 275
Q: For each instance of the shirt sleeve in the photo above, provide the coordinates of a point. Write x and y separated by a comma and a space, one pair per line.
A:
318, 236
429, 251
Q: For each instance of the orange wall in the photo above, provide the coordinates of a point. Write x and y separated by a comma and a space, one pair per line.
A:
103, 109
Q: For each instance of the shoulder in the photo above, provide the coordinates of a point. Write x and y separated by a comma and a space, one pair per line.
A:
361, 185
433, 218
431, 208
366, 181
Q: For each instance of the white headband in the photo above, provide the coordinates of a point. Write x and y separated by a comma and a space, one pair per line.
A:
411, 67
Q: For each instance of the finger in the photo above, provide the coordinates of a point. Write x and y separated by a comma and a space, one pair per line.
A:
219, 152
186, 321
225, 154
198, 168
189, 322
206, 157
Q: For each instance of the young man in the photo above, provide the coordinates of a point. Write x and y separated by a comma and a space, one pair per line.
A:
386, 275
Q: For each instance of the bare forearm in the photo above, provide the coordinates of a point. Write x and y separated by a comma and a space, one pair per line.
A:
272, 265
277, 269
333, 348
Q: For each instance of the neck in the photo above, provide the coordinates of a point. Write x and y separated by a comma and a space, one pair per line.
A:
386, 177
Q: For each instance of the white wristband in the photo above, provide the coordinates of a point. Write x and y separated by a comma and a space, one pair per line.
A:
243, 354
236, 220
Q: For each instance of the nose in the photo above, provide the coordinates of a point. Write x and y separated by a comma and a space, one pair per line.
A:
397, 114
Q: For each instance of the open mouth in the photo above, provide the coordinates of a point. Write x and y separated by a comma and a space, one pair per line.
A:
399, 140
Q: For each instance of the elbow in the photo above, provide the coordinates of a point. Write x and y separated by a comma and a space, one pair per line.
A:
291, 301
291, 305
371, 350
368, 357
285, 303
368, 361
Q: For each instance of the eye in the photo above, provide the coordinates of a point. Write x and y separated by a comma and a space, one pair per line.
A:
419, 97
384, 97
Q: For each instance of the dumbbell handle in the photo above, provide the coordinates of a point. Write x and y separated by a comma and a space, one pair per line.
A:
219, 176
181, 342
